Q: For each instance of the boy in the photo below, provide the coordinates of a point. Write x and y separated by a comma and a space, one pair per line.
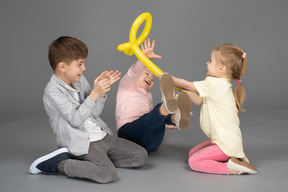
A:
87, 147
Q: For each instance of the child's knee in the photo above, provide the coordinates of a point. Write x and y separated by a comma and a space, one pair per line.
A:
191, 152
105, 175
193, 159
139, 157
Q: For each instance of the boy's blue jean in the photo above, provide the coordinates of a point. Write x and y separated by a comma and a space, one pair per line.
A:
147, 131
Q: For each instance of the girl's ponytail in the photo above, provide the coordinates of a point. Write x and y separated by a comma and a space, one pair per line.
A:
235, 60
239, 95
239, 91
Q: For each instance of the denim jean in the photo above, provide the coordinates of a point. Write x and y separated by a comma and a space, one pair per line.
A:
148, 130
103, 158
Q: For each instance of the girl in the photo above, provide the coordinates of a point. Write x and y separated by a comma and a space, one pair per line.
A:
223, 152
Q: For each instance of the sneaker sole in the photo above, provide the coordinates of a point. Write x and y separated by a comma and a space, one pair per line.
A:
242, 166
245, 159
167, 89
184, 105
33, 168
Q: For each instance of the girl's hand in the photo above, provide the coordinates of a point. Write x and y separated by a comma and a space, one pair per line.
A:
148, 49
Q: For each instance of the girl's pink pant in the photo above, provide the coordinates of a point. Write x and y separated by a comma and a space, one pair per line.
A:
207, 157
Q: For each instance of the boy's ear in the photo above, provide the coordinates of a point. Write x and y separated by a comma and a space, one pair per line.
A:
61, 66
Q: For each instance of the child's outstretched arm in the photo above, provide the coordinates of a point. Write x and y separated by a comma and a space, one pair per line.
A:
189, 88
148, 49
195, 98
136, 68
181, 83
184, 84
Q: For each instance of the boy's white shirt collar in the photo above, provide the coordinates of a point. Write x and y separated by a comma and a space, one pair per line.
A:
64, 84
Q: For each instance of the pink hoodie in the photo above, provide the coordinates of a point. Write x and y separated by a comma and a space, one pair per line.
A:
132, 102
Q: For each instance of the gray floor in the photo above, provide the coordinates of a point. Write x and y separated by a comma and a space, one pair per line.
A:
264, 131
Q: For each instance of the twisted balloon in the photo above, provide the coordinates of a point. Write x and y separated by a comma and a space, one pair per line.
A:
132, 47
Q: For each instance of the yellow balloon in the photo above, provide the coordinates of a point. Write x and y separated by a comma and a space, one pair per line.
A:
132, 47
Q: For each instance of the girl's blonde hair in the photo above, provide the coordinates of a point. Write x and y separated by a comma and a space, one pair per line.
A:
235, 61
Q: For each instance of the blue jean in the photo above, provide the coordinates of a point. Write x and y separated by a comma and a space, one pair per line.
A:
148, 130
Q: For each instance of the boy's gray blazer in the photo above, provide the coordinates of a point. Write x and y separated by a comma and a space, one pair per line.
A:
67, 115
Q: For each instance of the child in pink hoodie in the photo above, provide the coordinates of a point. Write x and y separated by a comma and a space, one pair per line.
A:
136, 118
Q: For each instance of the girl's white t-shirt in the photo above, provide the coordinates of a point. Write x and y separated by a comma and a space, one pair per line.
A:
219, 115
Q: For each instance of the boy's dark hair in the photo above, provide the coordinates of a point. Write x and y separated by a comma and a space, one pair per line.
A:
66, 49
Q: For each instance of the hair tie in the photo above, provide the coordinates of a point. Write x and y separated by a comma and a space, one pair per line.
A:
238, 80
243, 55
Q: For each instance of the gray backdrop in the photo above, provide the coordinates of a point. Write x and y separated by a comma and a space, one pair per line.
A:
186, 31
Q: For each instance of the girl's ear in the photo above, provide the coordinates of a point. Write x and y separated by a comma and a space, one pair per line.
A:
222, 69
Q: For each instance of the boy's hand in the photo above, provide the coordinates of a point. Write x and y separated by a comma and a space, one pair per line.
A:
113, 76
148, 49
103, 75
101, 86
